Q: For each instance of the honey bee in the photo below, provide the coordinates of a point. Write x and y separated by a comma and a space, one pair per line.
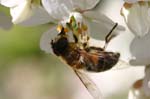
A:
79, 55
93, 59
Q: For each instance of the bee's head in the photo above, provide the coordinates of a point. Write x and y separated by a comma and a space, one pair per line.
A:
60, 44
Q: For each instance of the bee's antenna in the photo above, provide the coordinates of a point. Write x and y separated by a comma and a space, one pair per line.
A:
109, 36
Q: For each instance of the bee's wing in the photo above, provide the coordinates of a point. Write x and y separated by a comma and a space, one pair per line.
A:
89, 84
45, 41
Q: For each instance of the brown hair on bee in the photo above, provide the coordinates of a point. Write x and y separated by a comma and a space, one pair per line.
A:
93, 59
101, 61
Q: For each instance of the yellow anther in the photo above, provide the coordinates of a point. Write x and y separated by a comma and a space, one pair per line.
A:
127, 5
59, 28
66, 30
79, 31
84, 27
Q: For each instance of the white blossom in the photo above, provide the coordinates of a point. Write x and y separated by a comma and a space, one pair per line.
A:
28, 12
136, 15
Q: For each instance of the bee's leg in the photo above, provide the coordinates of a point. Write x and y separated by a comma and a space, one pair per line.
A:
93, 48
109, 36
75, 38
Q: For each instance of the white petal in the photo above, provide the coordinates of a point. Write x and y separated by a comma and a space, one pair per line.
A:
45, 41
85, 4
5, 21
78, 17
146, 82
140, 50
96, 42
116, 83
58, 9
39, 16
137, 17
99, 24
121, 44
12, 3
138, 21
25, 13
21, 12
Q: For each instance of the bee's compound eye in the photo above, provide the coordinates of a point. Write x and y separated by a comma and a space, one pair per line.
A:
60, 45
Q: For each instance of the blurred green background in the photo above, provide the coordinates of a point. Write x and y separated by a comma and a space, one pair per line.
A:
26, 72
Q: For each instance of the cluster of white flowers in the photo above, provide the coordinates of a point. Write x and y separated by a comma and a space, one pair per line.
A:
137, 17
134, 46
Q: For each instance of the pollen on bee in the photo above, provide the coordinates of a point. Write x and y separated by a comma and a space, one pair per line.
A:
79, 30
66, 30
84, 27
59, 28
